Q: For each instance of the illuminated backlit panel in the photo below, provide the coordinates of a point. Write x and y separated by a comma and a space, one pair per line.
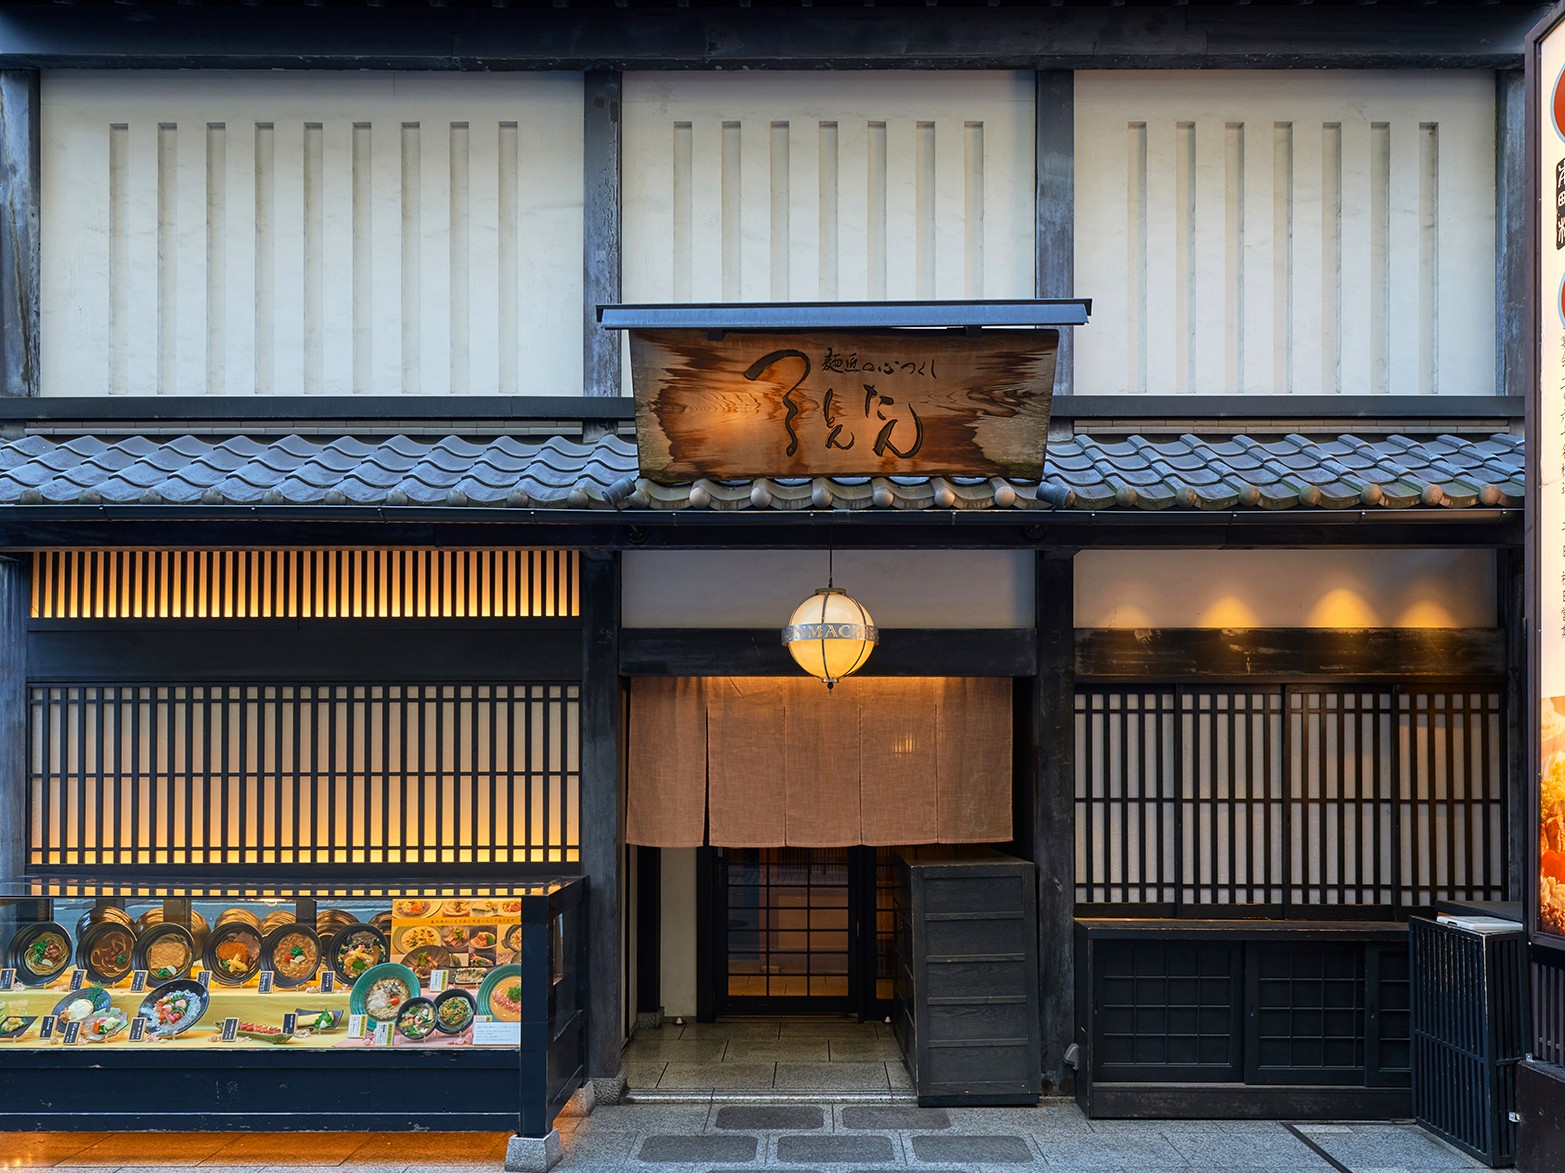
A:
305, 584
211, 774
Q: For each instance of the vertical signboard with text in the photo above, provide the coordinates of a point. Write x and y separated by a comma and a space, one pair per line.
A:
1546, 511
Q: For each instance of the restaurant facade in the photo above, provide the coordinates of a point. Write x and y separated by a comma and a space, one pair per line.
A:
355, 624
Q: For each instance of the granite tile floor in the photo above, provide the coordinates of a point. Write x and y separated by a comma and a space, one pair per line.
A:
766, 1058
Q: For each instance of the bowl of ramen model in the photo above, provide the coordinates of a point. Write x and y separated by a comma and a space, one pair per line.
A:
106, 951
293, 954
40, 953
233, 953
166, 951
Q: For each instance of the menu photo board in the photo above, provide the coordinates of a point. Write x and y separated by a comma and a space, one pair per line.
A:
1546, 481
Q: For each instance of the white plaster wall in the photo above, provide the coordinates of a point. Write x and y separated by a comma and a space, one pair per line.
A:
302, 233
677, 960
1285, 232
760, 588
1285, 588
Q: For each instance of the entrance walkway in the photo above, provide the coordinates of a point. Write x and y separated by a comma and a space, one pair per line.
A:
1052, 1138
802, 1137
766, 1060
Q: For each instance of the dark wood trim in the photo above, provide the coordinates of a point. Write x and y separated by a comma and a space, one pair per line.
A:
649, 930
588, 38
1512, 277
759, 652
564, 411
14, 598
1511, 574
145, 653
1231, 1101
1053, 830
19, 265
602, 808
35, 527
601, 235
708, 959
1285, 654
1055, 203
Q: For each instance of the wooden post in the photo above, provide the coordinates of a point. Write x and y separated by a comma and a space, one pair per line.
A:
602, 818
1512, 271
13, 727
19, 273
1510, 593
1053, 830
601, 232
1055, 201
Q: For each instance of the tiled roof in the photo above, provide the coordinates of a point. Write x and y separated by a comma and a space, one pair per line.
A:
1082, 472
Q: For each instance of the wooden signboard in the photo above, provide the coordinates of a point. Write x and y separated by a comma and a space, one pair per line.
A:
895, 403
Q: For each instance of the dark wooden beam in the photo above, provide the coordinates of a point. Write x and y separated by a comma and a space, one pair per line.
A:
1291, 654
30, 527
759, 652
564, 412
593, 38
602, 814
14, 597
1510, 592
1055, 203
1053, 831
1513, 270
19, 272
601, 251
284, 650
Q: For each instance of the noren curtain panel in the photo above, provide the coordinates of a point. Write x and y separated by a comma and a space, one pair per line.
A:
769, 762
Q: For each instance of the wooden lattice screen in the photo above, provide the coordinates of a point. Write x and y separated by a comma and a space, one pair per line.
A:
1289, 797
281, 773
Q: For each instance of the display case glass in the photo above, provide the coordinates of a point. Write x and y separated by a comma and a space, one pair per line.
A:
248, 966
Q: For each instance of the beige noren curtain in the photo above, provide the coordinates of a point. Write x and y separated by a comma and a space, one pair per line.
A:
781, 762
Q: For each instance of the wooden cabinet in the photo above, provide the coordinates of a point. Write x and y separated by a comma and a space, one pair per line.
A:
966, 985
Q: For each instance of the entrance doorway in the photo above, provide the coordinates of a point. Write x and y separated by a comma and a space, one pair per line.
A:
795, 930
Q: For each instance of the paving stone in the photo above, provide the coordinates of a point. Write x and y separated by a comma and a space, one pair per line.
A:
764, 1118
777, 1051
892, 1116
1394, 1146
832, 1076
724, 1076
693, 1150
684, 1050
1221, 1148
835, 1150
987, 1150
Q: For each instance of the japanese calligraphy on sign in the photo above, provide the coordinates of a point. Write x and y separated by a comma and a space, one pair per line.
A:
917, 403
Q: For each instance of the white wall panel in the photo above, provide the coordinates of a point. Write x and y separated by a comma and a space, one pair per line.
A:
826, 186
281, 234
1285, 232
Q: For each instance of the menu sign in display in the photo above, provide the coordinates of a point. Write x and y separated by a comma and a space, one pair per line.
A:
1546, 457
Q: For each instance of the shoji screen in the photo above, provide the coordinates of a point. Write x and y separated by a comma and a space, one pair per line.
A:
1275, 233
366, 233
828, 186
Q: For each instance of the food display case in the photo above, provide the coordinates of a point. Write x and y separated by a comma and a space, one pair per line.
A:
289, 1005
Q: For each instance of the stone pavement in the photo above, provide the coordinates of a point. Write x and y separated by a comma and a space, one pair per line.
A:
734, 1137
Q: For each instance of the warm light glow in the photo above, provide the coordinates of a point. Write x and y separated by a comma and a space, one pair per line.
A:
1342, 607
305, 584
1427, 613
1229, 611
830, 635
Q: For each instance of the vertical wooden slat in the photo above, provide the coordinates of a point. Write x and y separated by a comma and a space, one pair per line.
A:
951, 168
20, 269
1310, 271
601, 810
1161, 292
1052, 836
900, 236
602, 250
1054, 206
